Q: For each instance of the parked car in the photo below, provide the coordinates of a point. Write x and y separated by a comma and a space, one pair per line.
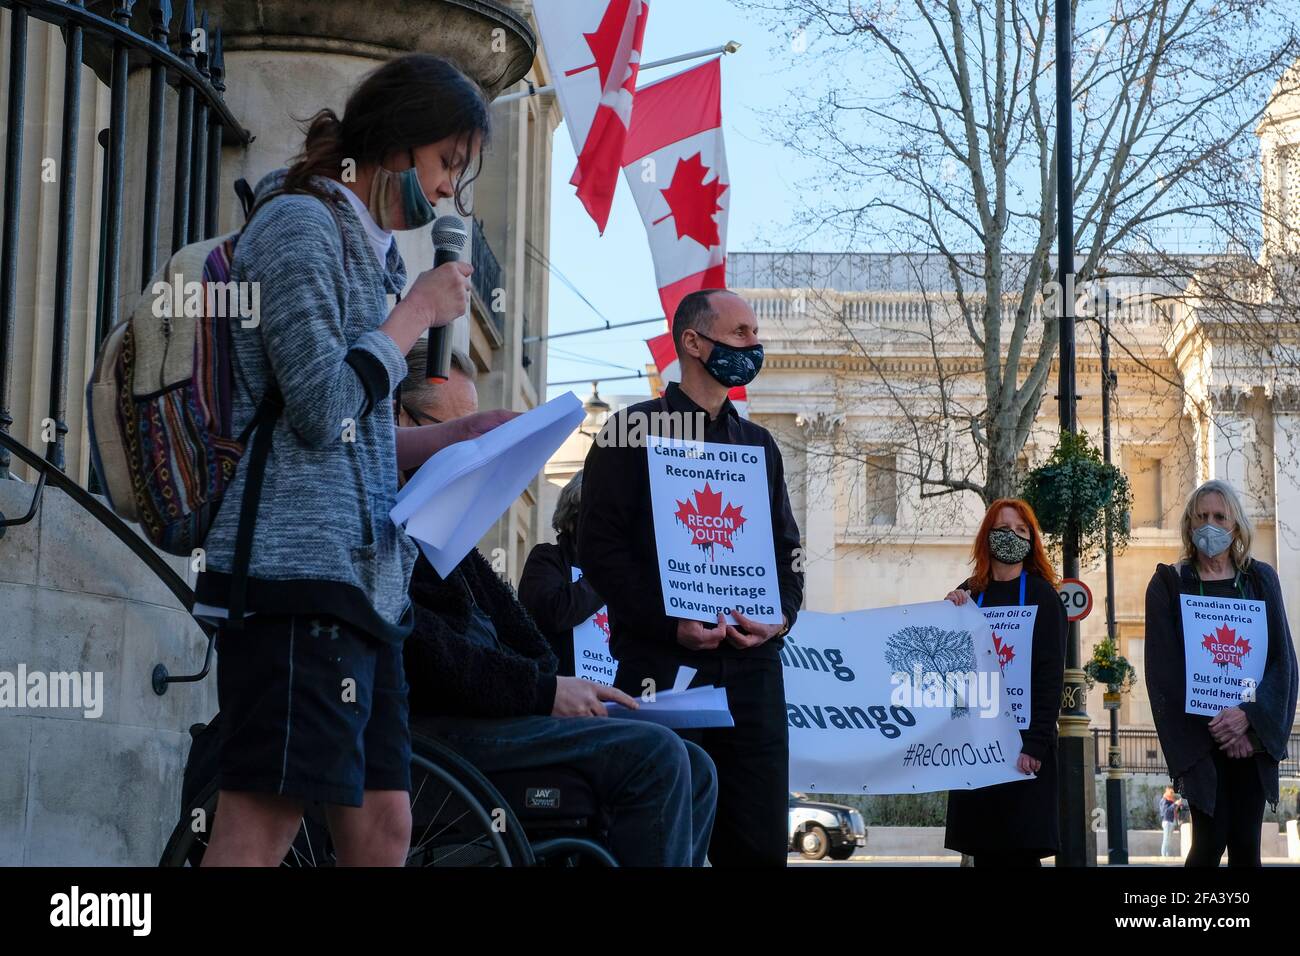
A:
819, 830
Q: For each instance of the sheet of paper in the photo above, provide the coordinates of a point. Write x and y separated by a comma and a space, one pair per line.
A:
678, 710
683, 681
452, 501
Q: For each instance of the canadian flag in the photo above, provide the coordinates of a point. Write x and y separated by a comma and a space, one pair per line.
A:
593, 48
675, 162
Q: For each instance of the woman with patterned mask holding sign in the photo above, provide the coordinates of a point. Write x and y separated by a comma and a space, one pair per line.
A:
1015, 824
1227, 763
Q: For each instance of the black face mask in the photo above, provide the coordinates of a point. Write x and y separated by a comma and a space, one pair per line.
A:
732, 366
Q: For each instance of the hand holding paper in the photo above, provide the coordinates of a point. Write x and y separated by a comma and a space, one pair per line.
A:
681, 708
457, 494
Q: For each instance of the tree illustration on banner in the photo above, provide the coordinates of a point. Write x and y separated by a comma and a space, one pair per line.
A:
942, 657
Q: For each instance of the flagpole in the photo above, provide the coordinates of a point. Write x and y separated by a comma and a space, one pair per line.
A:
730, 47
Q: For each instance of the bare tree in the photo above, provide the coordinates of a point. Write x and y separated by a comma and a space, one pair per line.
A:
940, 148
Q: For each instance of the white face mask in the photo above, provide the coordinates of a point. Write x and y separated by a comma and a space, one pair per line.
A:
1211, 540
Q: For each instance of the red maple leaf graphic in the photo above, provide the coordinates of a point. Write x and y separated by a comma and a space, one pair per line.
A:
1225, 646
602, 622
605, 41
708, 522
694, 203
1006, 652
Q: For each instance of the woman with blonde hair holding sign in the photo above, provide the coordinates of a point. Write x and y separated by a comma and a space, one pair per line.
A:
1222, 741
1016, 824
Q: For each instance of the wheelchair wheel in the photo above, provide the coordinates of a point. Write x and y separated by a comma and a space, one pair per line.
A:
457, 819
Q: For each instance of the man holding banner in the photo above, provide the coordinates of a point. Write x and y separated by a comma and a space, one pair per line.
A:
685, 527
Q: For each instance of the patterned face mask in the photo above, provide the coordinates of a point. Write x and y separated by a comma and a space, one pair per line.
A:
417, 211
1007, 546
732, 366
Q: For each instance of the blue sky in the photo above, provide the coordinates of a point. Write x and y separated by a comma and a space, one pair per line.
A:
615, 271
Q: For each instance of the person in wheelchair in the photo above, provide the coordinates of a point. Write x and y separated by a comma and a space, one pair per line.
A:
483, 680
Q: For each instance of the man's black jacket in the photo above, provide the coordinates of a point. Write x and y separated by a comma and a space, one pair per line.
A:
454, 675
616, 542
557, 602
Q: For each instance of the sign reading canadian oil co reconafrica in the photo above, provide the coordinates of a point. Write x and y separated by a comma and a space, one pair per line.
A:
1225, 642
897, 700
713, 530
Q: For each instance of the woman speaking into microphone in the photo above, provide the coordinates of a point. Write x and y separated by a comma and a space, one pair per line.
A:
304, 568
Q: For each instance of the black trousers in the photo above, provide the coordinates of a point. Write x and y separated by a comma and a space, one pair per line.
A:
752, 758
1238, 816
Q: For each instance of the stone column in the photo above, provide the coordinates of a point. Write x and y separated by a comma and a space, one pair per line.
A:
1286, 490
821, 480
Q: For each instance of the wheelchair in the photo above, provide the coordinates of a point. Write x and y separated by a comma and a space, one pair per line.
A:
459, 817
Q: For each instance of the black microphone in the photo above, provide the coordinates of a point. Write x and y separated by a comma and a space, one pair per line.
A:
449, 241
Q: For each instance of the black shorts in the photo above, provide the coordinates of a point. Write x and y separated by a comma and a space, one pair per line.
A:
311, 708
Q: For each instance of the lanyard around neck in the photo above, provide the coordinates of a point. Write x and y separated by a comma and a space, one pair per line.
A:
979, 601
1236, 583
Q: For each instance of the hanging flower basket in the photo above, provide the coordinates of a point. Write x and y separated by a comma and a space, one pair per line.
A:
1107, 666
1074, 488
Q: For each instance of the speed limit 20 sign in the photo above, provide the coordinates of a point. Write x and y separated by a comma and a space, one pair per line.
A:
1076, 597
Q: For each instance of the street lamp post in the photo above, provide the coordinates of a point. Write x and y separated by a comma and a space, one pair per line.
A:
1077, 799
1116, 813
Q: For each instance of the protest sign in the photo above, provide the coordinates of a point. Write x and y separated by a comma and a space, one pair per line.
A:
713, 530
1013, 645
591, 658
1225, 643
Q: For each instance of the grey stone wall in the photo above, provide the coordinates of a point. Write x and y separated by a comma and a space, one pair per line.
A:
74, 790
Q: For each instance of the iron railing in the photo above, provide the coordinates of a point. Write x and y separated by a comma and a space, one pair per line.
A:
486, 279
179, 56
1139, 752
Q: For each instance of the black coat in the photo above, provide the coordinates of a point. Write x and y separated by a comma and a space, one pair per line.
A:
1185, 738
557, 603
1021, 815
452, 675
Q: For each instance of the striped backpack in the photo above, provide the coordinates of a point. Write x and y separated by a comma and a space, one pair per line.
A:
159, 401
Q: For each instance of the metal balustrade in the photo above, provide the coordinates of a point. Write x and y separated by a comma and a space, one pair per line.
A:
185, 60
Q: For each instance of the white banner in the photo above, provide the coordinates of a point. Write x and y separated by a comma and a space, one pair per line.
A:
1225, 643
713, 530
1013, 645
591, 658
897, 700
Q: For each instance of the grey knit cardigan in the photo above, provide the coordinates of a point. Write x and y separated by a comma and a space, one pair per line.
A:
323, 543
